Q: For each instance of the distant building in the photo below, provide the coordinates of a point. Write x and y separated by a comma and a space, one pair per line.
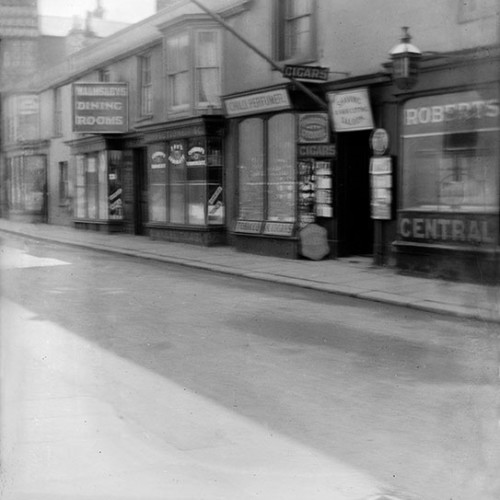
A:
30, 42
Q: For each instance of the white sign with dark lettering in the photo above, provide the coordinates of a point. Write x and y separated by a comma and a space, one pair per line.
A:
100, 108
272, 100
350, 110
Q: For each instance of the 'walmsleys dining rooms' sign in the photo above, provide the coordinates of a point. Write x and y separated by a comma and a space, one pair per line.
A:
100, 108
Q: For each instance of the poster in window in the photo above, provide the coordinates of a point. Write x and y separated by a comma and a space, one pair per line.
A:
307, 189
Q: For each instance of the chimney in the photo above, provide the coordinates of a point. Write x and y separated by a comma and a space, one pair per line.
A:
81, 34
99, 10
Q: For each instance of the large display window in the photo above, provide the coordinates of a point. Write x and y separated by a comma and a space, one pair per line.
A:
186, 182
267, 184
27, 183
98, 186
450, 153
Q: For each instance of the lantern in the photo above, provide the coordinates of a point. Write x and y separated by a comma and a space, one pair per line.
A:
405, 62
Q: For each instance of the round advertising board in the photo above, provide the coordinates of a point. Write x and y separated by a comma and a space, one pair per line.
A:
379, 141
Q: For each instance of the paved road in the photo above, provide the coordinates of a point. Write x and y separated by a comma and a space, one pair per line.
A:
124, 379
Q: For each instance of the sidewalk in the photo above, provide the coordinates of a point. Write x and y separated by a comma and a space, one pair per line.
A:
356, 277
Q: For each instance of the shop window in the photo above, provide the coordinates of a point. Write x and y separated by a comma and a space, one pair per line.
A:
21, 118
251, 169
26, 180
186, 185
450, 154
266, 169
98, 186
146, 86
295, 39
281, 171
193, 65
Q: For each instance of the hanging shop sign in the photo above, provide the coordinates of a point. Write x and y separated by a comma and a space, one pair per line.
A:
100, 108
454, 228
317, 151
379, 141
313, 127
350, 110
263, 102
381, 187
309, 73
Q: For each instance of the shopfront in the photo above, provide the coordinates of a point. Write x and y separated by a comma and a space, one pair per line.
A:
100, 177
25, 184
185, 176
284, 166
448, 221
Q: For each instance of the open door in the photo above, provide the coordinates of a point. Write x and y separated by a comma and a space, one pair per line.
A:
141, 212
355, 226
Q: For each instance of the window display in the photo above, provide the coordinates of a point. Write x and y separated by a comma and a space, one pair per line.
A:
186, 183
281, 171
450, 152
267, 172
98, 186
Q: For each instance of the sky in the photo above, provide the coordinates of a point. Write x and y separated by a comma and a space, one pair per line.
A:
128, 11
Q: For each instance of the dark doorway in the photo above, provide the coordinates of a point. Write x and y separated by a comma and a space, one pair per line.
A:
141, 191
355, 227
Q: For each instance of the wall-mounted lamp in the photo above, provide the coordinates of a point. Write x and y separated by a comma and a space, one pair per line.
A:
405, 62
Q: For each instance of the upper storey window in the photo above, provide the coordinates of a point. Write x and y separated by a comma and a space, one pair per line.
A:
193, 63
295, 30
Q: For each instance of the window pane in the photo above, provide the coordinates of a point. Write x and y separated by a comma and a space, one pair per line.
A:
207, 49
157, 176
196, 204
208, 86
251, 170
177, 53
157, 203
179, 89
177, 166
103, 186
298, 37
80, 187
177, 209
451, 180
146, 89
281, 168
91, 187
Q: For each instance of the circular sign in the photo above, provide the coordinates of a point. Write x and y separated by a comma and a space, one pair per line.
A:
379, 141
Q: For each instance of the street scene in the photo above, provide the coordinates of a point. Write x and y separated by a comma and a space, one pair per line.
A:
249, 250
127, 378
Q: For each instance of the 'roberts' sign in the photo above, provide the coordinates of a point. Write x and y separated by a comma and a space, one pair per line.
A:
100, 108
459, 111
350, 110
469, 229
263, 102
